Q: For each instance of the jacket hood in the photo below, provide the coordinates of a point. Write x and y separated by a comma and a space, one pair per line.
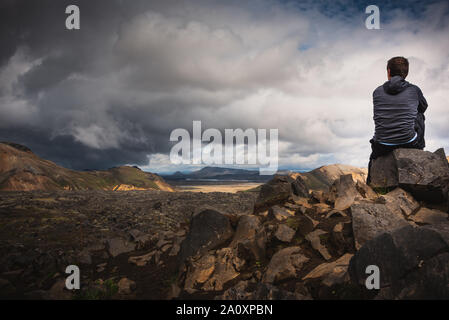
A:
395, 85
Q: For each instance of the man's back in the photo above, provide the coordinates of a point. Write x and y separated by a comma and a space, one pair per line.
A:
396, 106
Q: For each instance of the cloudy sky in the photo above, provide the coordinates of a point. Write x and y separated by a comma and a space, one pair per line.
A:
112, 92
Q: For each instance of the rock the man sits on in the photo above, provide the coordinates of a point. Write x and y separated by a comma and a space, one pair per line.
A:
399, 108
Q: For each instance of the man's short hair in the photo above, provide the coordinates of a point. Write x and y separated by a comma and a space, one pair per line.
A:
398, 67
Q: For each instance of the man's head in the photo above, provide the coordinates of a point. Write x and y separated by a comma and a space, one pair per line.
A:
397, 66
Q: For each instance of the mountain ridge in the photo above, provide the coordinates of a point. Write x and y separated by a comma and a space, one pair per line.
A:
22, 170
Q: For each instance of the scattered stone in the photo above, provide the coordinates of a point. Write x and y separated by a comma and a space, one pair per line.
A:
101, 267
321, 208
429, 216
199, 271
126, 286
315, 240
343, 192
318, 196
399, 202
304, 224
117, 246
331, 273
227, 267
278, 213
341, 237
251, 236
141, 261
337, 213
365, 191
284, 233
284, 264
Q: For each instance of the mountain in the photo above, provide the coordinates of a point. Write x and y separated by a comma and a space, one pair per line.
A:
22, 170
217, 173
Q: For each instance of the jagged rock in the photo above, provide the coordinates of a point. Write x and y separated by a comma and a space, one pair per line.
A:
284, 264
303, 202
331, 273
365, 190
212, 271
371, 219
274, 192
299, 187
126, 286
318, 196
117, 246
284, 233
304, 224
280, 214
429, 216
343, 192
208, 230
142, 260
423, 173
399, 202
413, 262
176, 245
336, 213
342, 238
315, 240
227, 267
199, 271
321, 208
278, 190
251, 236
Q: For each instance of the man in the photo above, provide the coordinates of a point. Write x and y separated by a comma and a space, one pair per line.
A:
399, 108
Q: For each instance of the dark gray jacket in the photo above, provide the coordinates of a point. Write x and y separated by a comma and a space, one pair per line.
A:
397, 106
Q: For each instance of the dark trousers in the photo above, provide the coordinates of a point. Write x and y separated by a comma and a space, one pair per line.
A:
379, 150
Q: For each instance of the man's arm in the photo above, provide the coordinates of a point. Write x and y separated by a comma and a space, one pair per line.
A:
422, 106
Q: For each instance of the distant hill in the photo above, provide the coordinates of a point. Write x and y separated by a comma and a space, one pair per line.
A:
322, 178
22, 170
216, 173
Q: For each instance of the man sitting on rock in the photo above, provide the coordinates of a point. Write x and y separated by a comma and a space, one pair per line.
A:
399, 108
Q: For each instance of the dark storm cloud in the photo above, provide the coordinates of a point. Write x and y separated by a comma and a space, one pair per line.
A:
111, 93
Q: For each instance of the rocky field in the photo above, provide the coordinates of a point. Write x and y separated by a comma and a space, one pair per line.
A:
285, 241
43, 232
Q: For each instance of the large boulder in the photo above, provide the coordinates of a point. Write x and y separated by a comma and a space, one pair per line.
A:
208, 230
371, 219
413, 262
425, 174
250, 237
278, 190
